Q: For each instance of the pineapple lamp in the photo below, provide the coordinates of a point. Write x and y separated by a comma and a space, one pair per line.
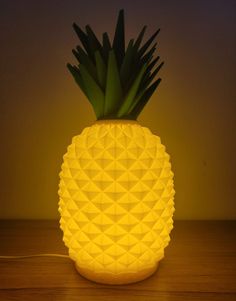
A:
116, 184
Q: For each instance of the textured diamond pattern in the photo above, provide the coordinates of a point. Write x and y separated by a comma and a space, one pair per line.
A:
116, 198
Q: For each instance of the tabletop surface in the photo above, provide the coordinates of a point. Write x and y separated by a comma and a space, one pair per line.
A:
199, 264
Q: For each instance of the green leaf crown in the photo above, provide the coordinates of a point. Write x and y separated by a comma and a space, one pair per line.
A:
118, 81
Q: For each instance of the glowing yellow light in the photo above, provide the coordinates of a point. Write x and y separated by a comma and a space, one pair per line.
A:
116, 201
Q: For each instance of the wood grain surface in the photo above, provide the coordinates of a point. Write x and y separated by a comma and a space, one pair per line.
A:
199, 264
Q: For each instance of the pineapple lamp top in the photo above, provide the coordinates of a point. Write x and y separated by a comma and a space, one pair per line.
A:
118, 81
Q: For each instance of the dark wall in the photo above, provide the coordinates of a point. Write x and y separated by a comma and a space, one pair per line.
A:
193, 111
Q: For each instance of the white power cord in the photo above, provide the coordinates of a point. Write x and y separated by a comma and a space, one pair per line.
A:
34, 255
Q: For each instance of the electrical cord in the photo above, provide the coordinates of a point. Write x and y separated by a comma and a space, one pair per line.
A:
34, 255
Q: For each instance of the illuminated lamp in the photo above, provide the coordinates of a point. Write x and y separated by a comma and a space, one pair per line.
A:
116, 184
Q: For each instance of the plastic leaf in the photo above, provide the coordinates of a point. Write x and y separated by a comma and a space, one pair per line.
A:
131, 93
140, 38
152, 64
148, 43
113, 93
84, 39
148, 79
148, 56
83, 58
140, 62
77, 77
154, 73
101, 69
144, 85
94, 92
127, 63
92, 39
119, 38
144, 99
106, 45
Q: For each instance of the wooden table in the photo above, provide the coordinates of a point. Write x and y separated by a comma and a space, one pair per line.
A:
199, 264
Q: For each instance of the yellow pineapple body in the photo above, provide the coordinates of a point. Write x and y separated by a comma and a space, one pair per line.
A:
116, 201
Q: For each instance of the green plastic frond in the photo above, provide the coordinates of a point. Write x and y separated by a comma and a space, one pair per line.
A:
92, 39
119, 38
113, 86
83, 39
126, 67
101, 69
152, 64
94, 92
118, 81
82, 58
106, 45
129, 99
140, 38
77, 76
144, 99
148, 43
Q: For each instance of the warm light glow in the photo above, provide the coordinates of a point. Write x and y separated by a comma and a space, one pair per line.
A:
116, 200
